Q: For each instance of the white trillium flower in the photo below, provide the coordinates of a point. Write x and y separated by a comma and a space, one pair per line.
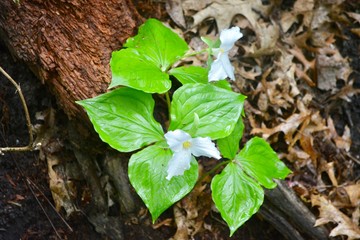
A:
221, 68
183, 146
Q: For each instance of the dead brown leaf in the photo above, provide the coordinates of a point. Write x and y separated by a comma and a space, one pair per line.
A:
353, 191
329, 213
330, 66
355, 16
191, 211
343, 142
224, 10
175, 10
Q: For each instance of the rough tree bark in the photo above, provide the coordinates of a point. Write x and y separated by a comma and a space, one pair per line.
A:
68, 44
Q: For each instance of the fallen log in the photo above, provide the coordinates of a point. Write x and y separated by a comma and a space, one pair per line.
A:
68, 43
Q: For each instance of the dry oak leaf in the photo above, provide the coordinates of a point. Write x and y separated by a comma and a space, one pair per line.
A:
224, 10
355, 16
288, 127
353, 191
329, 213
343, 142
330, 66
190, 212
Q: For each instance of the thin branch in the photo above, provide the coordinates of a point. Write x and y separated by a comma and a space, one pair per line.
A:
49, 202
42, 208
29, 147
30, 184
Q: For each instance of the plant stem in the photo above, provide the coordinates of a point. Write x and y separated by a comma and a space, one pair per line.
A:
29, 147
195, 53
167, 96
214, 169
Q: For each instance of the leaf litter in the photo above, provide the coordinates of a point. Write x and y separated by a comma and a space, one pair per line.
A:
292, 65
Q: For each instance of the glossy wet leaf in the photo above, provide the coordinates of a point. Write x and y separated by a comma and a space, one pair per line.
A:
217, 109
259, 160
192, 74
222, 84
158, 44
147, 174
236, 196
131, 69
123, 118
229, 145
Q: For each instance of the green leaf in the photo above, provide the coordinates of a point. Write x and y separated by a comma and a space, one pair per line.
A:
229, 145
133, 70
259, 160
222, 84
236, 196
192, 74
158, 44
147, 174
123, 118
218, 110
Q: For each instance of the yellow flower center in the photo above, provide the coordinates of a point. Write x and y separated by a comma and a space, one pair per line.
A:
186, 144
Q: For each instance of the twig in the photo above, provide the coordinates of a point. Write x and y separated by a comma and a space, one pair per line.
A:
42, 208
49, 202
30, 184
29, 147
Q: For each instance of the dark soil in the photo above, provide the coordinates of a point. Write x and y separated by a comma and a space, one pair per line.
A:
25, 199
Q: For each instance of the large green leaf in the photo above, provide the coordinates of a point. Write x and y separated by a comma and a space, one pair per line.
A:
124, 118
158, 44
147, 174
236, 196
192, 74
259, 160
131, 69
217, 109
222, 84
229, 145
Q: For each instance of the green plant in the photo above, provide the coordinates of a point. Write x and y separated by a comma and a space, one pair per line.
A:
203, 109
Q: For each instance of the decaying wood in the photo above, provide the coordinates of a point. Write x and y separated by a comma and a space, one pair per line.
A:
284, 210
68, 43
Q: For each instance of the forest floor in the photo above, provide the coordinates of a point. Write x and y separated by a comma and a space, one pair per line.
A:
26, 204
302, 81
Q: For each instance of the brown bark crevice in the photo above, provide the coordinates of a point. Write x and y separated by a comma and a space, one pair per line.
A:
68, 43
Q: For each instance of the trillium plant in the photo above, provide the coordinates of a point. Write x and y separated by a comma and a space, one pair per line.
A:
202, 111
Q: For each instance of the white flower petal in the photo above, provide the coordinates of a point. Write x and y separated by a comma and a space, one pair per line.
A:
179, 163
228, 68
217, 71
204, 147
175, 139
228, 37
216, 52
